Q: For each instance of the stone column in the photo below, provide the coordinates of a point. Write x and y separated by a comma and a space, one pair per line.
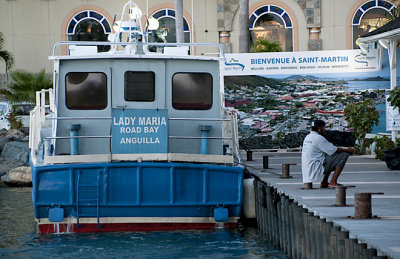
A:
226, 10
312, 12
314, 42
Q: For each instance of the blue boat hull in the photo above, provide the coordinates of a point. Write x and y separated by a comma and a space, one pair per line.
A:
135, 196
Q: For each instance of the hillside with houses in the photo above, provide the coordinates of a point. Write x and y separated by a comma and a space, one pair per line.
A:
275, 109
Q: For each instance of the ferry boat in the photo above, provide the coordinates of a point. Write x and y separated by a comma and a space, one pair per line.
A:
134, 140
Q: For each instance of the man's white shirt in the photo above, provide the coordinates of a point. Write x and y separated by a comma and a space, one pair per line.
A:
315, 147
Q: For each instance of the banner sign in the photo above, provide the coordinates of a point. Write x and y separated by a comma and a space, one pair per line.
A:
307, 62
392, 116
139, 131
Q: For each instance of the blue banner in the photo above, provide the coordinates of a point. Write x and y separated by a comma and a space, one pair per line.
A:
139, 131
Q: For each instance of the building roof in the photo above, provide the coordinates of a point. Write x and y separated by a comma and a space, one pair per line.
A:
395, 24
391, 30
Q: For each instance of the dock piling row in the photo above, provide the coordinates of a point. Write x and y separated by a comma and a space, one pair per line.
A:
300, 233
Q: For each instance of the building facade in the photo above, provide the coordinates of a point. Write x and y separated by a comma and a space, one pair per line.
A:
32, 27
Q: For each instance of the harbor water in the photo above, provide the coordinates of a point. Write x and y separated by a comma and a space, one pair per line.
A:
363, 85
19, 239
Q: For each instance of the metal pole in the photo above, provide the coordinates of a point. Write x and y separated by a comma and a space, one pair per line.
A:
244, 26
74, 142
179, 21
205, 129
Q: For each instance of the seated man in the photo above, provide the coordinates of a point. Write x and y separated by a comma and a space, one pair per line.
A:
320, 157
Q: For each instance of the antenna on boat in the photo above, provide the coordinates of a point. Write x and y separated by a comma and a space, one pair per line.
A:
130, 24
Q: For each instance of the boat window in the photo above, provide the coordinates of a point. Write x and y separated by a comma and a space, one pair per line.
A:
139, 86
192, 91
86, 91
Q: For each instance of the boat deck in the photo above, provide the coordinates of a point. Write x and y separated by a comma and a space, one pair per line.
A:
366, 173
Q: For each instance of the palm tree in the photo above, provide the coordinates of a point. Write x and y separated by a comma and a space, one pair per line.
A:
25, 85
5, 55
263, 45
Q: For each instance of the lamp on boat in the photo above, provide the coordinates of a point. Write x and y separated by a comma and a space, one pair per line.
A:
153, 24
135, 13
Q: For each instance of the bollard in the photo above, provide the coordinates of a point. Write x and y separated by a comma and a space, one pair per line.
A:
307, 186
205, 129
341, 196
363, 205
285, 170
74, 142
265, 162
249, 154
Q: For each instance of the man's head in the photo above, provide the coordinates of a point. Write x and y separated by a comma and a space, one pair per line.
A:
318, 126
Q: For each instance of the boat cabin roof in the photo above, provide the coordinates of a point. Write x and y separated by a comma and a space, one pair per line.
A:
88, 50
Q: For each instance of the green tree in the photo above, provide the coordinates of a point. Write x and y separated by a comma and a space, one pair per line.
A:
262, 45
382, 143
5, 55
25, 85
299, 104
361, 116
394, 97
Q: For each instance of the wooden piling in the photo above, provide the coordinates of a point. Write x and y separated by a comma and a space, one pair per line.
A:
341, 243
371, 253
300, 233
319, 238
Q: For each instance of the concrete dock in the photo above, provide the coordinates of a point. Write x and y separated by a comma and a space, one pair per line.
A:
363, 174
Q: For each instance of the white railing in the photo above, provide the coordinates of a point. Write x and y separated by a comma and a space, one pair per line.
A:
38, 117
135, 47
38, 120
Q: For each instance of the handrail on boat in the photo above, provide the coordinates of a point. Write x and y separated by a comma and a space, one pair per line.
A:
138, 44
109, 118
229, 120
38, 115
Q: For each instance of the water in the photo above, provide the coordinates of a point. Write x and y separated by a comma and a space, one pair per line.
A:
362, 85
381, 128
19, 239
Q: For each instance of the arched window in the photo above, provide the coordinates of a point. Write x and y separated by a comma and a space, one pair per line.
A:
371, 15
166, 32
272, 23
89, 26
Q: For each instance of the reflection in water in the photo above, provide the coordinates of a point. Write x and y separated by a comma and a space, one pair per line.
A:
18, 239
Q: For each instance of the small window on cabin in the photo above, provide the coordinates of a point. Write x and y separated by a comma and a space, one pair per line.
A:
139, 86
192, 91
86, 91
